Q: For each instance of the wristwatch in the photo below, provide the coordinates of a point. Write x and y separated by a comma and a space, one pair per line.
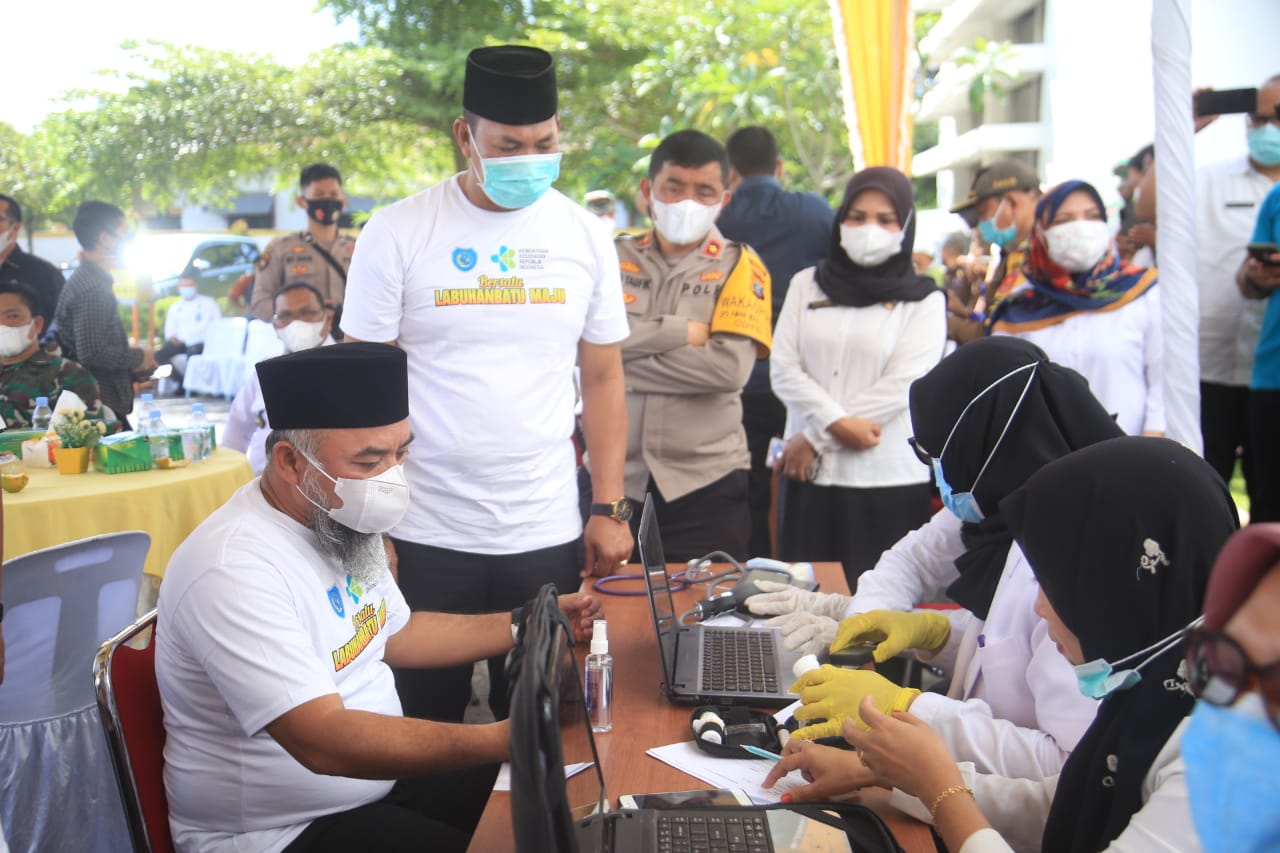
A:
619, 510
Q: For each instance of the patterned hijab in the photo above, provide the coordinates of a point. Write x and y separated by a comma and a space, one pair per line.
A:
1121, 537
1049, 293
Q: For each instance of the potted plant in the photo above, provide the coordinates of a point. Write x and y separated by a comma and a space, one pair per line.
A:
76, 435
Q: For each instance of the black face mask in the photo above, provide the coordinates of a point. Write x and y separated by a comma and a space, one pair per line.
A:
324, 210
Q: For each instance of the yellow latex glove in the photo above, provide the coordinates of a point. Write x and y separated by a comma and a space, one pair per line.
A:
895, 631
833, 694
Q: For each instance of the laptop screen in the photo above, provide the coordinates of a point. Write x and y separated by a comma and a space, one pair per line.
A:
550, 737
658, 583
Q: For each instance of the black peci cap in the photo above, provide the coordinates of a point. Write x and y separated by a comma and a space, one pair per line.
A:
345, 386
510, 84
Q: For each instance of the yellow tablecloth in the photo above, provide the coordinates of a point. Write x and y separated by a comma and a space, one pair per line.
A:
56, 508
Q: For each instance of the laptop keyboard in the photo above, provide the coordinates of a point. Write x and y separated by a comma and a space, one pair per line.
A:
698, 832
738, 662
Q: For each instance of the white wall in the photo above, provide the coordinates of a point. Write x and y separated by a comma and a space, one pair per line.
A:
1233, 46
1098, 86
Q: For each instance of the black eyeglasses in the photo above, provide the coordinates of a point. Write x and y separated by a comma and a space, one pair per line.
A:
1219, 671
921, 453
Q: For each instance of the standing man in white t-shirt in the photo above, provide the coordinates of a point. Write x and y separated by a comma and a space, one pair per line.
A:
496, 285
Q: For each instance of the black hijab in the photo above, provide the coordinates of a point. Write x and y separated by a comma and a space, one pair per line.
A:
895, 280
1121, 536
1058, 415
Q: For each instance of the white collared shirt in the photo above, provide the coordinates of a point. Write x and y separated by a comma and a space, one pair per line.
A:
1228, 195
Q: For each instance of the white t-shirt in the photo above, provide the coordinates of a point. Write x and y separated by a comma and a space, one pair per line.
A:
1120, 352
254, 620
189, 320
490, 307
1228, 196
836, 361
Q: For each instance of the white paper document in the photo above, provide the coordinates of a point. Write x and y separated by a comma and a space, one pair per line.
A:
503, 782
747, 774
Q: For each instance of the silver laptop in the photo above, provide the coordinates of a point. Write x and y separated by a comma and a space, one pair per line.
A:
557, 811
710, 665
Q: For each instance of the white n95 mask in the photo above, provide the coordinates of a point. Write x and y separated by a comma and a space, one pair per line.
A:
373, 505
870, 245
14, 339
685, 222
1078, 246
300, 335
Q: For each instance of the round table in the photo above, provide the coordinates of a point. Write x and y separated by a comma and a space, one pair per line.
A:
167, 503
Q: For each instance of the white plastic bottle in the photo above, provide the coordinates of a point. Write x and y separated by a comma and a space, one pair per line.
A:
41, 414
196, 434
157, 436
599, 679
146, 402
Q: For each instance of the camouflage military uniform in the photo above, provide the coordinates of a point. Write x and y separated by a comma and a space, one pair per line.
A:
42, 375
295, 257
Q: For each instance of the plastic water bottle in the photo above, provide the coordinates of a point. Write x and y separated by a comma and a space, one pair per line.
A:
196, 435
157, 436
599, 679
146, 404
41, 415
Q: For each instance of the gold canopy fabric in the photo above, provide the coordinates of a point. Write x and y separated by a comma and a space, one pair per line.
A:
873, 45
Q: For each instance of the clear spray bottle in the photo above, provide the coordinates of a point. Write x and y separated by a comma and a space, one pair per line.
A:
599, 679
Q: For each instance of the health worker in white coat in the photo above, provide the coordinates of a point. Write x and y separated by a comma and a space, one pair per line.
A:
985, 419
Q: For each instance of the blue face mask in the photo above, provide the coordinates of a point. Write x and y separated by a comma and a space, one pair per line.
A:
1231, 756
964, 505
1098, 678
516, 182
186, 292
1264, 145
1000, 236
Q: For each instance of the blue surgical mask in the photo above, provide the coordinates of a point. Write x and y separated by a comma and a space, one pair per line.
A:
1264, 145
186, 292
1231, 756
516, 182
964, 505
1000, 236
1099, 678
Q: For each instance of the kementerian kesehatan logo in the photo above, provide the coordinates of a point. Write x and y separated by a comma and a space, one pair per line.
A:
465, 259
505, 259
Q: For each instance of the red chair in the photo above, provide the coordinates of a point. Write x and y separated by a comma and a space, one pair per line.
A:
125, 681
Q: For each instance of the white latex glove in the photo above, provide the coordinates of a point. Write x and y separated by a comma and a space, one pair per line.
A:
776, 599
811, 633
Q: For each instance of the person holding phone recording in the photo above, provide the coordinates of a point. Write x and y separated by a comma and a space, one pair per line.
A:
1258, 278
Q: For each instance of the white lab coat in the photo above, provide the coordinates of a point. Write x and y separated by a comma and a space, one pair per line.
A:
1018, 809
1014, 708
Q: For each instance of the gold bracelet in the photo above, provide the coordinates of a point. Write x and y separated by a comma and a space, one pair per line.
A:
937, 801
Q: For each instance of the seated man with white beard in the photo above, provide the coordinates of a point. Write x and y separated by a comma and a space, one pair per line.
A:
279, 620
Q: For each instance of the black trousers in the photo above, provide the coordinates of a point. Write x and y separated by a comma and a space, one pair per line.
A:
460, 582
1224, 425
854, 526
763, 417
713, 518
436, 813
1264, 432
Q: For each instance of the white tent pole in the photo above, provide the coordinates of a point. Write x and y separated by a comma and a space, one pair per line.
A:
1176, 197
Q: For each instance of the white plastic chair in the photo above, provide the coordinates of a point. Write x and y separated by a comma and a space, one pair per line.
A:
222, 358
57, 788
262, 343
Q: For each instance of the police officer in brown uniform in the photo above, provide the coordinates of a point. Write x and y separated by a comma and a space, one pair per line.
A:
699, 310
319, 256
